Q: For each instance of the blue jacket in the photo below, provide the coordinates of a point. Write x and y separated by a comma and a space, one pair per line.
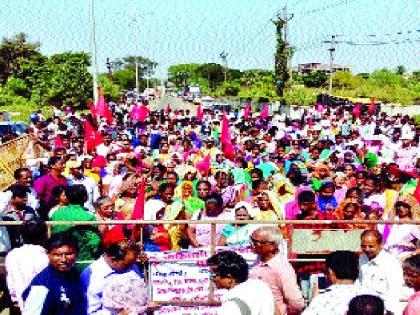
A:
55, 293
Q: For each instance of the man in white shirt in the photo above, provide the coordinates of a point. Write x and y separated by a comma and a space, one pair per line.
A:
119, 259
380, 271
342, 271
229, 270
77, 177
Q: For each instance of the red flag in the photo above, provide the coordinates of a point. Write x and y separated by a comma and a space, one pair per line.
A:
228, 150
247, 111
103, 110
371, 110
92, 110
199, 113
168, 109
264, 113
225, 134
139, 113
92, 137
58, 143
310, 121
356, 109
319, 108
417, 191
204, 166
138, 211
176, 112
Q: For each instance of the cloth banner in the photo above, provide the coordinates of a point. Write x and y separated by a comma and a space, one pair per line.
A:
184, 276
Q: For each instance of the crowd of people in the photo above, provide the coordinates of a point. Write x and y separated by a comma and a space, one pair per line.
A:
333, 163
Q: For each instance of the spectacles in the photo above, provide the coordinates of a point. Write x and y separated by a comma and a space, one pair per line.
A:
259, 242
213, 275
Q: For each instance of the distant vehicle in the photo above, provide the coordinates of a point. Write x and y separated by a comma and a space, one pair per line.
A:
13, 127
149, 92
222, 106
207, 102
192, 92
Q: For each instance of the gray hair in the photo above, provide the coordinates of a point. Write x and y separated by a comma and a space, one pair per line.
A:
272, 233
101, 201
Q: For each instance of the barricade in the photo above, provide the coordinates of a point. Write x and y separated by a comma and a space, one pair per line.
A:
203, 305
13, 154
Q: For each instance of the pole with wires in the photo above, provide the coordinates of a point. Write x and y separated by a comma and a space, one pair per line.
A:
93, 50
332, 51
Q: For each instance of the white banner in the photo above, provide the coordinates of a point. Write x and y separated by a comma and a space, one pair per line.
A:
184, 276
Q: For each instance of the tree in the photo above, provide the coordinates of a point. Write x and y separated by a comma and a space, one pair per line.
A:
344, 79
315, 79
125, 79
400, 70
281, 72
180, 73
13, 53
146, 66
385, 77
213, 72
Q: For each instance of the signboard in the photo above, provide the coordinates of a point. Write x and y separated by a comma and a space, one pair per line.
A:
184, 276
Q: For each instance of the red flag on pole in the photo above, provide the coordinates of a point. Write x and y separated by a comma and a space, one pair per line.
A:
92, 137
199, 113
310, 121
371, 110
168, 109
58, 143
138, 211
225, 134
319, 108
103, 110
247, 111
264, 113
92, 110
356, 109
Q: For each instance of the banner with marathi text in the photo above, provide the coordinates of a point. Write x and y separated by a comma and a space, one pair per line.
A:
184, 276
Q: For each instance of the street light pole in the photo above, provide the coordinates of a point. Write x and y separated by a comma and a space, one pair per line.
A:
93, 49
137, 75
332, 50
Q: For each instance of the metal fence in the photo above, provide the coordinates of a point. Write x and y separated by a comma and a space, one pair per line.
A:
279, 223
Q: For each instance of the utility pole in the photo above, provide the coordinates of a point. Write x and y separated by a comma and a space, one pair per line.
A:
286, 19
224, 55
281, 74
93, 50
332, 51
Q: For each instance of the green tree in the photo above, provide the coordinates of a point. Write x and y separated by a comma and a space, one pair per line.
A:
64, 80
13, 53
281, 72
110, 90
180, 73
126, 79
315, 79
400, 70
344, 79
385, 77
213, 72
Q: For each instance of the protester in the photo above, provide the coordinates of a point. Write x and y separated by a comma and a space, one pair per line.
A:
411, 269
57, 289
25, 262
366, 305
380, 271
273, 268
113, 283
342, 272
229, 270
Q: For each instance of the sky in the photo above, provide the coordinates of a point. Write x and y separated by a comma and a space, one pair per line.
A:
372, 34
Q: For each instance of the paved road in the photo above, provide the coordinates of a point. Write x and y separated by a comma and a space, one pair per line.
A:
176, 103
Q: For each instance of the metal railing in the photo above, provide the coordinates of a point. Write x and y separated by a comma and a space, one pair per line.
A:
281, 223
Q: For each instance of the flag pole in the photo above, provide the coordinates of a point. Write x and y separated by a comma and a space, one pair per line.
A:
93, 51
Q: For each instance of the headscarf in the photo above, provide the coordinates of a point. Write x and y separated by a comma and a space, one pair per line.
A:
243, 204
370, 160
275, 203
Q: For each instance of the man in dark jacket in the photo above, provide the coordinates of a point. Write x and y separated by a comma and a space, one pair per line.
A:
57, 290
